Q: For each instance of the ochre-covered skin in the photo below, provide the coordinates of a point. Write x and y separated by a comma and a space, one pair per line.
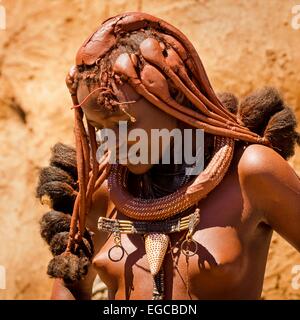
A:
162, 62
179, 201
257, 190
233, 235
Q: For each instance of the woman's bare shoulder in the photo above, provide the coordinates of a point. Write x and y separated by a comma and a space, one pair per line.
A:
101, 197
258, 161
102, 205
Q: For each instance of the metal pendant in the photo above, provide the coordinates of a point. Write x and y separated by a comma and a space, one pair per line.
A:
156, 245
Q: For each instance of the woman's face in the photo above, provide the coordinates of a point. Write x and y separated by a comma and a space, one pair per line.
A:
147, 117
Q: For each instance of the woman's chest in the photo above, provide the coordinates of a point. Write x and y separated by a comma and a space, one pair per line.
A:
217, 257
217, 260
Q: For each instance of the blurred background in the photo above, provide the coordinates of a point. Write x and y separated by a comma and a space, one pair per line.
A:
243, 44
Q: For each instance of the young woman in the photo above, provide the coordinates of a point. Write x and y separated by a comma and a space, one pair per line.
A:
164, 234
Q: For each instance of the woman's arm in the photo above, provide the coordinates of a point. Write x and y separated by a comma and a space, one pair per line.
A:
82, 290
60, 291
274, 188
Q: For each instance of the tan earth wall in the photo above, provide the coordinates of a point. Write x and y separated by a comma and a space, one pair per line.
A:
244, 45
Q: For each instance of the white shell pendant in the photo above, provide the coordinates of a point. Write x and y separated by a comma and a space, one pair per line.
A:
156, 245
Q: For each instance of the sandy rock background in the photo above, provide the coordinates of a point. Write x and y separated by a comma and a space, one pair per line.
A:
243, 44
